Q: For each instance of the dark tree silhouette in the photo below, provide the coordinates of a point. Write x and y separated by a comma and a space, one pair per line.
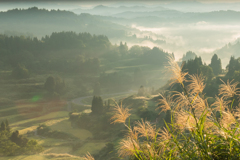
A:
216, 65
97, 105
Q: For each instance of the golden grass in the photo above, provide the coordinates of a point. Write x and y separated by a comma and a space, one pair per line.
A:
145, 129
229, 89
121, 114
165, 103
196, 84
177, 75
128, 147
88, 156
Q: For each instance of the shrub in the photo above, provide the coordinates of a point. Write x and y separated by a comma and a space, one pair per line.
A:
20, 72
44, 130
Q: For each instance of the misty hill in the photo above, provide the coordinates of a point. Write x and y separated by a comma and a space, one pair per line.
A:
41, 22
106, 10
196, 6
229, 50
165, 17
163, 14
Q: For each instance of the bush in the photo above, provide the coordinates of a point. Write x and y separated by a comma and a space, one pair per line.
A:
145, 113
44, 130
20, 72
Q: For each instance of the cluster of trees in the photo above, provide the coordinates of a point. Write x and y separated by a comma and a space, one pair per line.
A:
196, 66
12, 143
54, 84
233, 68
63, 51
214, 69
56, 41
141, 55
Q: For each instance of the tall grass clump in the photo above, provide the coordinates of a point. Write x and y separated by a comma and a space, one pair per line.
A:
197, 130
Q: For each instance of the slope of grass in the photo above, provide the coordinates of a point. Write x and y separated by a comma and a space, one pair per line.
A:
65, 126
92, 147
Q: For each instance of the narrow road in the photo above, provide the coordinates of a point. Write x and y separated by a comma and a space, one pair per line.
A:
79, 100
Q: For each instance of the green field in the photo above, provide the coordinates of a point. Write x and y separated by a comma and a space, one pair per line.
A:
58, 149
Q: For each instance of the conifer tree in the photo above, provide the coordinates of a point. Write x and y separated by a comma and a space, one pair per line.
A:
7, 125
216, 65
97, 105
3, 126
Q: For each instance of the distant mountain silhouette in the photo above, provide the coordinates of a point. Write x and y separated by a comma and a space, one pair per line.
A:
41, 22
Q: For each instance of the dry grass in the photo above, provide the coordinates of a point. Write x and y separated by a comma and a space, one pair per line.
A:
219, 104
121, 114
88, 156
228, 90
196, 84
165, 103
177, 75
145, 129
127, 147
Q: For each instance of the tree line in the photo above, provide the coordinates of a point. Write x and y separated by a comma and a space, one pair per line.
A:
12, 143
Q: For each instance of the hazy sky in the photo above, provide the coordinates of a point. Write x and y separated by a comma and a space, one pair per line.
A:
212, 1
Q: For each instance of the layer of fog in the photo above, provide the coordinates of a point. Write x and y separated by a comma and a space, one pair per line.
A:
202, 38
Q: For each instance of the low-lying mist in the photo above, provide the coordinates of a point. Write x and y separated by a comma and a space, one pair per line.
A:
202, 38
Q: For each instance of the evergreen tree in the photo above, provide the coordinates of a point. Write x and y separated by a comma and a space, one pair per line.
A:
207, 72
192, 66
233, 66
216, 65
3, 126
97, 105
7, 125
54, 84
123, 48
50, 84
